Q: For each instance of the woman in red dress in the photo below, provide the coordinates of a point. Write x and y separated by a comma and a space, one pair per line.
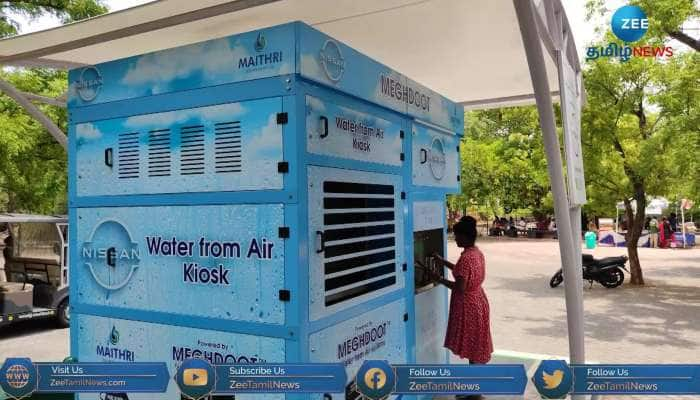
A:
468, 327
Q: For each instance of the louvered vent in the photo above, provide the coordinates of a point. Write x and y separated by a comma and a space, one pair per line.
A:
128, 155
359, 239
227, 147
192, 150
159, 161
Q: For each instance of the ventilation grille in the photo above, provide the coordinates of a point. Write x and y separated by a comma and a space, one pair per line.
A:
128, 155
192, 150
159, 161
196, 157
359, 239
227, 147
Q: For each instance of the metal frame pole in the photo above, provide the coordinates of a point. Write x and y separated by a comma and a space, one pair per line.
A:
572, 274
35, 112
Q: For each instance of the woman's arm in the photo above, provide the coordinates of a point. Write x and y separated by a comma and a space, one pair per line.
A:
459, 284
443, 261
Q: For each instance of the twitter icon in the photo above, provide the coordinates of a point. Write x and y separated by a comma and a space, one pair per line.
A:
553, 379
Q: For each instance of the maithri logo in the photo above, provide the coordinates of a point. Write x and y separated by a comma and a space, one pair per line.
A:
111, 352
89, 84
629, 24
262, 60
110, 255
332, 60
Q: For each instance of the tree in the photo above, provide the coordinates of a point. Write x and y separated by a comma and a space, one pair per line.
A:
32, 164
639, 115
503, 163
666, 18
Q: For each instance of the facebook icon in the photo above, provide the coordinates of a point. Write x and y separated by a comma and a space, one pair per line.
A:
375, 379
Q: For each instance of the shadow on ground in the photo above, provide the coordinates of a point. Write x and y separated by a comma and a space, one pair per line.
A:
655, 313
25, 328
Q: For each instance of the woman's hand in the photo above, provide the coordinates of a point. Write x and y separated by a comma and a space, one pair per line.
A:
437, 256
440, 259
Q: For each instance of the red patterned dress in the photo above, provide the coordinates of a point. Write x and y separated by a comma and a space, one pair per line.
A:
468, 328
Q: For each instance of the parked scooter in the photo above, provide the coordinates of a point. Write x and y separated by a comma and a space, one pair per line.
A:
606, 271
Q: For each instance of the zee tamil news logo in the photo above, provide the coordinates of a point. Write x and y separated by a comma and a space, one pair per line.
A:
332, 60
110, 255
88, 84
629, 24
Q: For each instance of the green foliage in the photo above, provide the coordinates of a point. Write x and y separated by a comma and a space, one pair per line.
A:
32, 165
666, 18
503, 162
66, 10
641, 125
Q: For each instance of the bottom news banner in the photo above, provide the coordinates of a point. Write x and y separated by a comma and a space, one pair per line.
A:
375, 379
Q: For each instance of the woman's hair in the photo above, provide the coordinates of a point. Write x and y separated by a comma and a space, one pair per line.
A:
467, 227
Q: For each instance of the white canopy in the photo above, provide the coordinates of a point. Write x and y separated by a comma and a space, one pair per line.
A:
471, 51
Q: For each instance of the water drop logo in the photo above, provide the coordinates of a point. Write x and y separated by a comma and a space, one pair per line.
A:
260, 42
114, 336
629, 23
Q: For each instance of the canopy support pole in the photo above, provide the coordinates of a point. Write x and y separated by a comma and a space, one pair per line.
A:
573, 283
35, 112
45, 99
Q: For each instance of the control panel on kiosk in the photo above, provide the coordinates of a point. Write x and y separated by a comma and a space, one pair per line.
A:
426, 244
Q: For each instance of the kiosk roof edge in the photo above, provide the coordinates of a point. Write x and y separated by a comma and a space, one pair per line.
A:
470, 51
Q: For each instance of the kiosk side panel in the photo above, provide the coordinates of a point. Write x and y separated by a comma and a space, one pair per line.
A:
115, 340
226, 147
341, 131
435, 158
355, 238
213, 261
252, 55
430, 299
331, 62
378, 334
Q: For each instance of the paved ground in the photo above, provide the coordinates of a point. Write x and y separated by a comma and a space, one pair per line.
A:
658, 323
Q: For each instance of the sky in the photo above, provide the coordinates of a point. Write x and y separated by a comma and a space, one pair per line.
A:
583, 30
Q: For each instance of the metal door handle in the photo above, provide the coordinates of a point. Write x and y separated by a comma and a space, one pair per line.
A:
109, 157
423, 156
324, 125
322, 241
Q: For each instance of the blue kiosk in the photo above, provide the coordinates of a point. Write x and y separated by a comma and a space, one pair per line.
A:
257, 198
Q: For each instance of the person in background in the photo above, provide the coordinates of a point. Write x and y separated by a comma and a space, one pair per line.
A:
653, 232
665, 234
522, 224
592, 226
495, 227
468, 328
673, 222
